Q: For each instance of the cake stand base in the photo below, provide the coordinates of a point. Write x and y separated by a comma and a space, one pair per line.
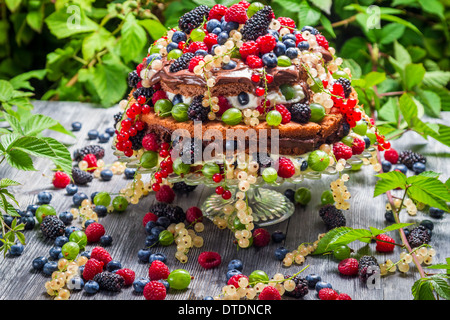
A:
268, 206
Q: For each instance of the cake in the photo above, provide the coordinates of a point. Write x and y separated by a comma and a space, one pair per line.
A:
241, 69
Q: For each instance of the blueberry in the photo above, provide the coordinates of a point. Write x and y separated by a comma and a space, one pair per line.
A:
171, 46
68, 231
144, 255
44, 197
75, 283
232, 272
289, 43
165, 283
153, 57
39, 262
418, 167
217, 30
243, 98
389, 216
291, 53
280, 49
280, 253
88, 222
60, 241
76, 126
101, 211
106, 240
313, 279
367, 142
304, 165
163, 222
288, 36
157, 256
78, 198
16, 249
386, 166
50, 267
28, 222
278, 236
212, 24
289, 193
222, 37
54, 252
231, 25
406, 231
312, 30
208, 298
402, 168
91, 287
201, 52
66, 217
92, 134
104, 137
139, 284
179, 36
230, 65
156, 230
32, 208
106, 175
235, 264
436, 213
149, 226
150, 240
270, 60
322, 284
110, 131
211, 51
427, 224
113, 265
8, 220
274, 34
71, 189
86, 253
93, 194
130, 172
303, 45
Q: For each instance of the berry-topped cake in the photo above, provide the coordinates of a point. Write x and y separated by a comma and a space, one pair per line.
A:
241, 69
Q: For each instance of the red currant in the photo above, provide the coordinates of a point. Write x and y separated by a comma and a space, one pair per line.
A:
141, 99
217, 177
260, 91
164, 173
125, 124
269, 78
156, 187
139, 125
145, 109
128, 144
128, 152
165, 146
255, 77
219, 190
163, 153
123, 136
120, 146
132, 131
226, 194
131, 113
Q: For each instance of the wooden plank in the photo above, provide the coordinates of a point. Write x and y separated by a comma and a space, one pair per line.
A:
19, 281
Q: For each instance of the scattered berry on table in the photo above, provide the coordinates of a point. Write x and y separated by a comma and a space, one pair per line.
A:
401, 168
165, 194
91, 287
71, 189
391, 155
39, 262
44, 197
343, 296
235, 264
60, 180
348, 267
386, 166
104, 137
66, 217
269, 293
322, 284
96, 150
332, 217
92, 134
106, 175
261, 237
436, 212
109, 281
232, 272
75, 283
300, 289
91, 268
94, 231
128, 275
157, 256
102, 255
313, 279
408, 158
278, 236
182, 188
194, 215
418, 167
76, 126
280, 253
209, 259
368, 266
139, 284
328, 294
418, 236
382, 245
154, 290
52, 227
158, 270
81, 177
290, 194
106, 240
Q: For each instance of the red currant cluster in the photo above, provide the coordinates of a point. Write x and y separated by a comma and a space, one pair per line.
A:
225, 193
346, 107
261, 90
165, 166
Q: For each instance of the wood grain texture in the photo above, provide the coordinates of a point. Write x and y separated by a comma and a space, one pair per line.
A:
19, 281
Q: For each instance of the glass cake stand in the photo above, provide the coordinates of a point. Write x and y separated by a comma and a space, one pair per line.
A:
268, 206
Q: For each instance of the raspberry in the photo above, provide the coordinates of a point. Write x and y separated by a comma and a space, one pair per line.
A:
285, 114
210, 40
158, 95
358, 146
236, 13
158, 270
224, 105
244, 3
91, 268
194, 214
299, 38
342, 151
127, 274
348, 267
249, 48
165, 194
343, 296
269, 293
92, 162
209, 259
254, 62
266, 43
94, 232
197, 45
234, 280
287, 23
384, 246
194, 62
391, 155
101, 254
150, 142
261, 237
217, 12
286, 168
154, 290
60, 179
149, 216
322, 41
328, 294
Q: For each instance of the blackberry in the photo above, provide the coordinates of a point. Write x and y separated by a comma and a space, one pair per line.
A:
363, 267
183, 188
196, 111
142, 91
193, 19
346, 84
193, 148
174, 213
300, 112
109, 281
408, 158
418, 236
95, 149
133, 79
182, 62
136, 140
301, 287
258, 24
52, 227
332, 217
117, 119
81, 177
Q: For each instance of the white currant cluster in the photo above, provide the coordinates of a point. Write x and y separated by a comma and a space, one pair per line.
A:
185, 239
423, 254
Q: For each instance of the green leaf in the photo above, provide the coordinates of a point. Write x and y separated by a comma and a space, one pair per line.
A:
433, 7
422, 290
35, 19
154, 28
6, 182
324, 5
391, 32
389, 181
39, 122
373, 78
401, 55
389, 111
63, 24
401, 21
441, 286
327, 25
7, 207
413, 75
63, 158
408, 109
6, 91
13, 4
96, 42
430, 191
133, 39
13, 122
431, 101
19, 160
396, 226
437, 79
353, 235
330, 237
308, 15
21, 81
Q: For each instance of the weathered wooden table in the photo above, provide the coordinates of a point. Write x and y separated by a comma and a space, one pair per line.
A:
19, 281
